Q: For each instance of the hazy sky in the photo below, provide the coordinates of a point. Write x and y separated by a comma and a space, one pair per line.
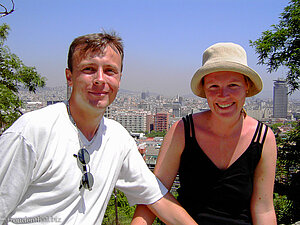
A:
164, 39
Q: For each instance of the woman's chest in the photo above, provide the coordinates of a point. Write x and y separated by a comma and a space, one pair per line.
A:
223, 151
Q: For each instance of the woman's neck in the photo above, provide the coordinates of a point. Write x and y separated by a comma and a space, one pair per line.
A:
226, 127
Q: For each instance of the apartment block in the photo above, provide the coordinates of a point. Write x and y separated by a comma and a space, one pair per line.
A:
132, 121
161, 121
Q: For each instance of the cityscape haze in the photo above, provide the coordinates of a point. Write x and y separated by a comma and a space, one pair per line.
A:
164, 40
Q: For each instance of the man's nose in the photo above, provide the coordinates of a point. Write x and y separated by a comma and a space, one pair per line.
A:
99, 77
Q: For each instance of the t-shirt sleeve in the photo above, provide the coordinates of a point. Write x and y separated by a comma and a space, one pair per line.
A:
17, 162
137, 182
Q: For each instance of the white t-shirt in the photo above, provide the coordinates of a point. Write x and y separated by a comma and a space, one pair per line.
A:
40, 177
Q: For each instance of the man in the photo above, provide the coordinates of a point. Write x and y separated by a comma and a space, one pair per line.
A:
61, 163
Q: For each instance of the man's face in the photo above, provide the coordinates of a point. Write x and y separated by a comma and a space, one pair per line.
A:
95, 79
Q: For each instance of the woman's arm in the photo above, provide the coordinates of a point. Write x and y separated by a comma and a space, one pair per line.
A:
166, 170
262, 208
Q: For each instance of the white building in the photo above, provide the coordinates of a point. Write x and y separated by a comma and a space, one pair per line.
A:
132, 121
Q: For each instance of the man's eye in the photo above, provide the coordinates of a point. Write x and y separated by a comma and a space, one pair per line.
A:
88, 69
111, 71
233, 85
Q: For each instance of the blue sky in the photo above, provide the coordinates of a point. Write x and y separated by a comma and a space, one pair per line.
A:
164, 39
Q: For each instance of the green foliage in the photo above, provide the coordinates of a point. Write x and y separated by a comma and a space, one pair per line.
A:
154, 133
289, 152
275, 126
286, 191
280, 46
125, 211
283, 208
13, 75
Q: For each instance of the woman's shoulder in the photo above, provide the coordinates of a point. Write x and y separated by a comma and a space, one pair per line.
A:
252, 125
250, 122
196, 118
200, 116
201, 119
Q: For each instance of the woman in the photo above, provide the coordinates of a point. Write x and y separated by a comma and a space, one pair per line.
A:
226, 159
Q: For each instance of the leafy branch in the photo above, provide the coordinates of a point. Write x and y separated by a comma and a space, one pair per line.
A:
5, 11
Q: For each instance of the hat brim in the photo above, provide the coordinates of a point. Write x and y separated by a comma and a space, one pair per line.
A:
254, 88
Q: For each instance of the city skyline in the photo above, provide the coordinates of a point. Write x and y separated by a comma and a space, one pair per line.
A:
164, 40
129, 106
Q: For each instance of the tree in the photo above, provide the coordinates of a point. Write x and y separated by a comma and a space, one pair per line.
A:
13, 75
154, 133
286, 190
4, 11
125, 211
280, 46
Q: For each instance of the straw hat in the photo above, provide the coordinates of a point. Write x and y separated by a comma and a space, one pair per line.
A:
225, 57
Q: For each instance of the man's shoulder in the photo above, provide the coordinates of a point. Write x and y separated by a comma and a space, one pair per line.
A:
111, 124
115, 128
39, 118
46, 113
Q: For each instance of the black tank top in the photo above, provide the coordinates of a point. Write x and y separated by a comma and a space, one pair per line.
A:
211, 195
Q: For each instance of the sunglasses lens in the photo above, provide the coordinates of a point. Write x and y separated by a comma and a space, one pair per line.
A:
83, 156
87, 181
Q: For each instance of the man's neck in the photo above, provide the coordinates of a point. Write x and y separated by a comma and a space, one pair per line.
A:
86, 121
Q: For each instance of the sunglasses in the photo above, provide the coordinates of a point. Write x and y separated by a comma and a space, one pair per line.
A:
87, 179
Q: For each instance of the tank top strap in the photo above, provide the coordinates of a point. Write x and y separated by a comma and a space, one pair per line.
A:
258, 132
192, 125
188, 126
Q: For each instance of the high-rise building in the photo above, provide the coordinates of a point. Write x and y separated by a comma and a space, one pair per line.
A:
143, 96
161, 122
176, 108
280, 99
149, 122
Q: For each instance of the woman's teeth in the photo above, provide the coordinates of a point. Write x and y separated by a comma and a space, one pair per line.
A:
224, 106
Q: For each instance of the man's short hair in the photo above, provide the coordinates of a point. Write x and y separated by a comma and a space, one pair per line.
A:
93, 43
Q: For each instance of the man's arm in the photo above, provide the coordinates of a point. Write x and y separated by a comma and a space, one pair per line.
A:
166, 170
17, 162
167, 209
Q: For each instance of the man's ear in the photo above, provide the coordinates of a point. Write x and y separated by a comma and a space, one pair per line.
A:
69, 77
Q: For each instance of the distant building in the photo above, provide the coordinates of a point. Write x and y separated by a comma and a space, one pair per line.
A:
280, 99
161, 121
69, 91
176, 109
107, 112
132, 121
149, 123
53, 102
31, 106
144, 105
180, 99
145, 95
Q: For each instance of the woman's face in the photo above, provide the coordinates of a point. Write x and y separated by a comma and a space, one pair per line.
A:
225, 92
